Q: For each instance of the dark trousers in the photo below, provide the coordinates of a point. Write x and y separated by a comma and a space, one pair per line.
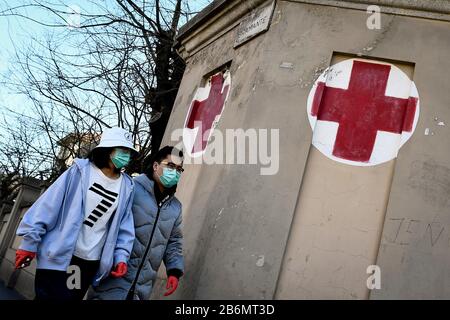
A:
53, 284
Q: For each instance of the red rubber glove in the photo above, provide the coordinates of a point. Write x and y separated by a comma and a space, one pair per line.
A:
120, 270
23, 258
172, 284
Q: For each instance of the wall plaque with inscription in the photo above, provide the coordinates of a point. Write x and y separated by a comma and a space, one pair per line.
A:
254, 23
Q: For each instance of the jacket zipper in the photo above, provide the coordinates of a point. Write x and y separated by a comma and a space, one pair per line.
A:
112, 217
130, 295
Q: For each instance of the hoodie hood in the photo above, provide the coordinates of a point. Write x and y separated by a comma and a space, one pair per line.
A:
146, 182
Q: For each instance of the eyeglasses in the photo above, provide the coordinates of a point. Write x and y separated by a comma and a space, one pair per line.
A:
173, 166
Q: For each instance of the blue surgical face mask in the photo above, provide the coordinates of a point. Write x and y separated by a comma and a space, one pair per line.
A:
120, 158
170, 177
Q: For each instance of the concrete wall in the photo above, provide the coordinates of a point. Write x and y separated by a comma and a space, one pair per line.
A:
311, 230
21, 280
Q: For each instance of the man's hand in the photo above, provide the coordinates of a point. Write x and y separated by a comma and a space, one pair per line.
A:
172, 284
23, 258
120, 270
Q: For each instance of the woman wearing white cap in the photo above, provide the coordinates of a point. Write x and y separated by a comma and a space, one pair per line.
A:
84, 220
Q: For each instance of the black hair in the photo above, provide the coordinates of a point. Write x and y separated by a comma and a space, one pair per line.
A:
162, 154
100, 157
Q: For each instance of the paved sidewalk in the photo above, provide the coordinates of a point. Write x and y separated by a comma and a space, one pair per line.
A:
9, 294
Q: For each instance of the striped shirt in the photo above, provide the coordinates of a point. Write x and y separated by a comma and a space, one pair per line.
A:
101, 201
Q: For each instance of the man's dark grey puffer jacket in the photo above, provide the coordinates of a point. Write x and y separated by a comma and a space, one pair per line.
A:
166, 245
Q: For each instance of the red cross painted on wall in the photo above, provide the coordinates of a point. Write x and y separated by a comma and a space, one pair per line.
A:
204, 112
362, 110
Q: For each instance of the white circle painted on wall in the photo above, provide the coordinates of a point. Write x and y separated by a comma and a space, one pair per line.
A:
362, 111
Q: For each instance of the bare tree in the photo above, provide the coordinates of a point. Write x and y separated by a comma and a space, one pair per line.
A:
40, 147
117, 67
23, 153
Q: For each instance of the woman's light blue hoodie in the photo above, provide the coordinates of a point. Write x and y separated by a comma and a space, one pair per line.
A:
52, 224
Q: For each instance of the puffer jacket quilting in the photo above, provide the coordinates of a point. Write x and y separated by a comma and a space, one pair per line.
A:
166, 244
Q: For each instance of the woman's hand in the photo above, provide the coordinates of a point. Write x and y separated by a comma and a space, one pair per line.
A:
23, 258
120, 270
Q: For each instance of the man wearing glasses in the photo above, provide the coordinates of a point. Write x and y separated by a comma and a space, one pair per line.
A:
157, 219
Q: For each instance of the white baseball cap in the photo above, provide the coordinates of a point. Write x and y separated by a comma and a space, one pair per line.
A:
116, 137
